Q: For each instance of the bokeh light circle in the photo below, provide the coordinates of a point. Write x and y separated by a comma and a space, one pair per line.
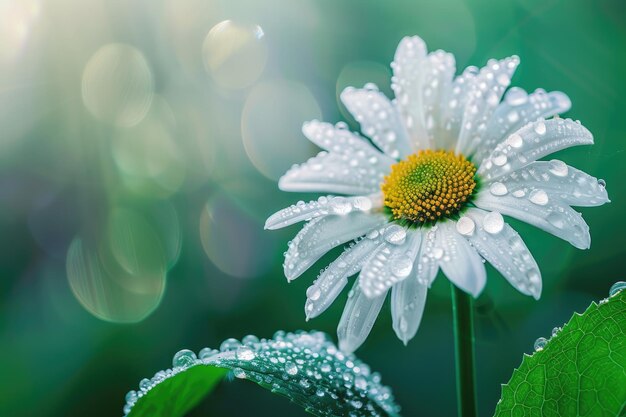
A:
147, 156
271, 125
234, 241
118, 85
107, 290
234, 54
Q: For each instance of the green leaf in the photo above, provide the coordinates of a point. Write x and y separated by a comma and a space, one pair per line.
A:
305, 367
580, 371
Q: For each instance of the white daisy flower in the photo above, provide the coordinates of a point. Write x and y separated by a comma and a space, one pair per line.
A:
447, 159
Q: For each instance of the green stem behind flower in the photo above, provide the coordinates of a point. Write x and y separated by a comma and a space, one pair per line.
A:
462, 309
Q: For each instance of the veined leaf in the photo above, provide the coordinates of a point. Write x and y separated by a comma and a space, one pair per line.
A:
580, 371
305, 367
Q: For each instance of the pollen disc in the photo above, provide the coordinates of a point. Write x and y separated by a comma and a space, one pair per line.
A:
428, 186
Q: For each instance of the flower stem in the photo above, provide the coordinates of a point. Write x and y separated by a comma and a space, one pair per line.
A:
462, 310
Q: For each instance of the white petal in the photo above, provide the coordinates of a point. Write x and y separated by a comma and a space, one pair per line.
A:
324, 233
459, 261
390, 263
516, 110
435, 84
506, 251
453, 107
542, 211
358, 318
342, 141
333, 173
379, 120
557, 179
407, 83
532, 142
408, 299
324, 206
488, 88
426, 261
333, 279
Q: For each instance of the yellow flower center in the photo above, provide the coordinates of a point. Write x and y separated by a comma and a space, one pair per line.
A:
428, 185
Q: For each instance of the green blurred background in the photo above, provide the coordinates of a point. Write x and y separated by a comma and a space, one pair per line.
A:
140, 144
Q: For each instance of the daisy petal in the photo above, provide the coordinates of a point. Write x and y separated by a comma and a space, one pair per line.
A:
533, 141
538, 209
426, 266
408, 299
324, 206
459, 261
324, 233
437, 82
502, 246
358, 318
333, 279
453, 107
517, 110
333, 173
342, 141
570, 185
379, 120
389, 263
407, 81
485, 96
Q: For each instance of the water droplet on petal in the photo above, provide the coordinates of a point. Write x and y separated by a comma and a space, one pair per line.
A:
538, 197
516, 96
515, 141
465, 226
493, 222
313, 292
402, 267
540, 128
558, 168
499, 159
395, 234
498, 188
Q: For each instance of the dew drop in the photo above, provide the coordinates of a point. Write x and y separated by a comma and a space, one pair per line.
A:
493, 222
503, 80
465, 226
515, 141
498, 188
616, 288
555, 331
499, 159
516, 96
291, 368
538, 197
229, 344
250, 339
558, 168
540, 343
313, 292
245, 353
239, 373
395, 234
540, 128
184, 358
602, 183
402, 267
207, 352
556, 220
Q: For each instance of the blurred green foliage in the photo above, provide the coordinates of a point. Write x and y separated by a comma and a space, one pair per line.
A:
179, 133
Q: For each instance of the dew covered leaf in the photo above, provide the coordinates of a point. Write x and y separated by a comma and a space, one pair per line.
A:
305, 367
580, 371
